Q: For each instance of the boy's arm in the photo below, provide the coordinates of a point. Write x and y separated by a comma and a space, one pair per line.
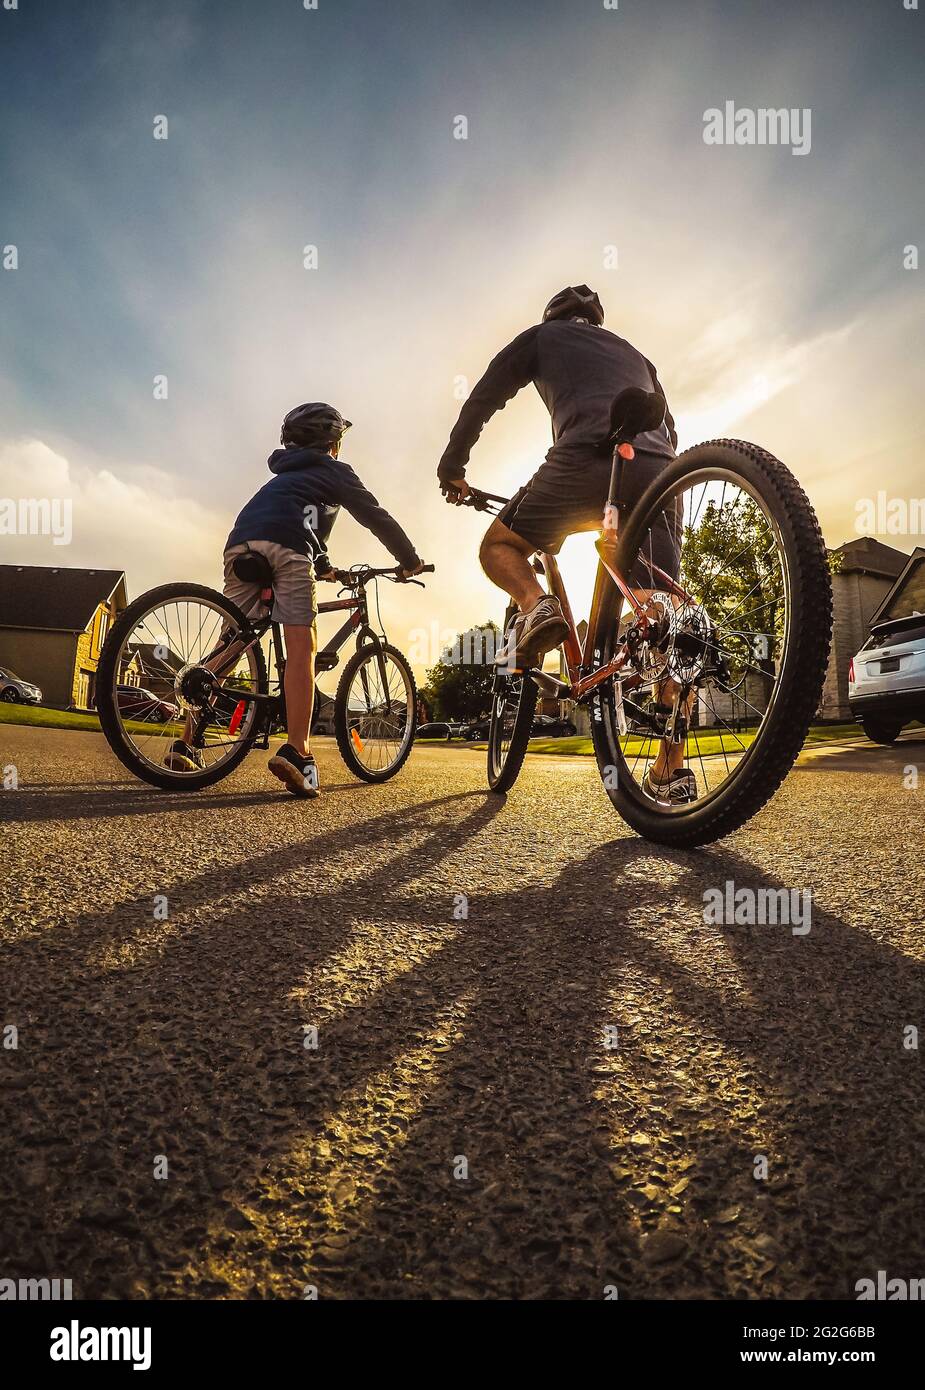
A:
514, 367
363, 507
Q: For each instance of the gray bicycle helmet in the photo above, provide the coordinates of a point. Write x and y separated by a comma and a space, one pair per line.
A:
312, 425
575, 301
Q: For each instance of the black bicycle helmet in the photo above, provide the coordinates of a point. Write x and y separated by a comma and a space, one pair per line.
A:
575, 301
312, 425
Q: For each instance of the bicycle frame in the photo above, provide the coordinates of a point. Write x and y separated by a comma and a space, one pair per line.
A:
583, 674
325, 660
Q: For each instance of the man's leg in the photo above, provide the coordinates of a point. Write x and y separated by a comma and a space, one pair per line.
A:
504, 558
670, 755
299, 683
540, 624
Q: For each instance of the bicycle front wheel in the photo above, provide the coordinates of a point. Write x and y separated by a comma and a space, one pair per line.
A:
725, 666
513, 704
155, 683
375, 712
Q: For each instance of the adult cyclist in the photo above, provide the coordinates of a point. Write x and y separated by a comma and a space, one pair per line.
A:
578, 367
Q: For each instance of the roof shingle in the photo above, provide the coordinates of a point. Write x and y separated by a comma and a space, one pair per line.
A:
49, 597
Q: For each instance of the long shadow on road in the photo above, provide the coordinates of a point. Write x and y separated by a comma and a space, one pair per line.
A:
463, 1127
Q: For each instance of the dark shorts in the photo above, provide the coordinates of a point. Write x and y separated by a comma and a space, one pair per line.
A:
566, 495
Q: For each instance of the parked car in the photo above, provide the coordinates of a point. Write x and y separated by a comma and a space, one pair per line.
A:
138, 703
548, 726
886, 680
15, 691
476, 731
437, 729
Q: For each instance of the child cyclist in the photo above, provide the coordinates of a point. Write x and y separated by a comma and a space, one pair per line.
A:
289, 521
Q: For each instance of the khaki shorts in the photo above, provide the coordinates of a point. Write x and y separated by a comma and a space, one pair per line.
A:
293, 584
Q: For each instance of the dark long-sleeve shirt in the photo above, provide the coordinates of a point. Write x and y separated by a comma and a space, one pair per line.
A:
298, 507
577, 370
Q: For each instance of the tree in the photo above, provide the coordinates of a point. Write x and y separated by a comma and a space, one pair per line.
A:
731, 564
458, 687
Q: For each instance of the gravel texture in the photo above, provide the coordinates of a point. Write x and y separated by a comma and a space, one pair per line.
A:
463, 1128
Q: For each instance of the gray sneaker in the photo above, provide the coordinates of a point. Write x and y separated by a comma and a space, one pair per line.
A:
531, 635
679, 789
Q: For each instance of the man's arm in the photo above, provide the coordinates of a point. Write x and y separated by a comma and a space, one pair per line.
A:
669, 418
363, 507
513, 368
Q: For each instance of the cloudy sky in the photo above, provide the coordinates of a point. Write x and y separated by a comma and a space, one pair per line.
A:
769, 288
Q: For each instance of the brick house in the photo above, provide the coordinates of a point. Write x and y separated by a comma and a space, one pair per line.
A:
53, 623
907, 595
866, 572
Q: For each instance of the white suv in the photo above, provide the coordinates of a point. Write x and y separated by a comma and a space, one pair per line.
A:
886, 680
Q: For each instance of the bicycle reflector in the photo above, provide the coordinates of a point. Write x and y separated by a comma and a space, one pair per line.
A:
234, 723
358, 742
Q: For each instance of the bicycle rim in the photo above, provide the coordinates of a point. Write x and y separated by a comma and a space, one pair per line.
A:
158, 652
379, 712
727, 648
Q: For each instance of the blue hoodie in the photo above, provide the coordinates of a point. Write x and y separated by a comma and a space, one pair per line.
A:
311, 487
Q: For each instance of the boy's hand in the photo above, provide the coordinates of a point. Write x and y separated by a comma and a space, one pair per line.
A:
406, 572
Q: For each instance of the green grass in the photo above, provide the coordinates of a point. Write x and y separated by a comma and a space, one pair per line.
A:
707, 742
43, 718
38, 716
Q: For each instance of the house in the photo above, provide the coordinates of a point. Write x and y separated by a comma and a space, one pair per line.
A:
53, 623
865, 573
907, 595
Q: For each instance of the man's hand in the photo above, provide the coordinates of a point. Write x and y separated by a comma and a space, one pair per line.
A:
405, 572
328, 576
455, 492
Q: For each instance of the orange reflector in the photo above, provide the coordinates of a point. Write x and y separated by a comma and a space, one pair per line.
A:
626, 451
234, 722
358, 742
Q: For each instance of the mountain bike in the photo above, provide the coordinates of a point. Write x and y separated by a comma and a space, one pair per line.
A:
726, 655
198, 654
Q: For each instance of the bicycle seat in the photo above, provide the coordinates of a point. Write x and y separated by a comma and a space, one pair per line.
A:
253, 568
633, 412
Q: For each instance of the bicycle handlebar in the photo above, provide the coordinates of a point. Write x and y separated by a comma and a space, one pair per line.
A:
362, 574
484, 501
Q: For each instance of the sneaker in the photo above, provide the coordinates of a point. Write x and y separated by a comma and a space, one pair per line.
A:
679, 789
182, 758
298, 770
531, 635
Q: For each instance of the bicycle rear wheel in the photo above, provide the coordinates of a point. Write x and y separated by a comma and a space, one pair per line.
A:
158, 648
375, 712
741, 648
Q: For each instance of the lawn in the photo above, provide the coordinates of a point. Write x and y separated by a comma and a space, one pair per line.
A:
40, 716
706, 742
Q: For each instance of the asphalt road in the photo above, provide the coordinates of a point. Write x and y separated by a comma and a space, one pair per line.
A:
463, 1128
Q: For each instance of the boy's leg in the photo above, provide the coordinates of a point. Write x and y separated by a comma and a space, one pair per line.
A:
299, 682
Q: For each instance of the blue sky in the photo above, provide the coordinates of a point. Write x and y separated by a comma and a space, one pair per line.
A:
768, 288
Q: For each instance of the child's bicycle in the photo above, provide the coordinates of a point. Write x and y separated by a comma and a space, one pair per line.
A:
728, 658
201, 662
